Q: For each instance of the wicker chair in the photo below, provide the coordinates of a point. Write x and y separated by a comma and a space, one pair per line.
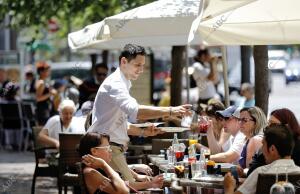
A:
42, 167
69, 156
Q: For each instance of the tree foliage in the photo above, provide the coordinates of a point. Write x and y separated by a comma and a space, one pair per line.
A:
28, 13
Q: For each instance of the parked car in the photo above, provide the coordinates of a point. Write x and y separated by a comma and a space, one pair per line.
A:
79, 69
292, 71
278, 60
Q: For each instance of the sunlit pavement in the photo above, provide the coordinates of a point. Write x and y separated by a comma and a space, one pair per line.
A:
283, 96
16, 170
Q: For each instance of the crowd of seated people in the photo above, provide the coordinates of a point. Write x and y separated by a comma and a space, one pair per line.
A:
241, 136
277, 147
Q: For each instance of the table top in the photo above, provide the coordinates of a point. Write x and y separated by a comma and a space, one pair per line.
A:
146, 147
216, 184
205, 181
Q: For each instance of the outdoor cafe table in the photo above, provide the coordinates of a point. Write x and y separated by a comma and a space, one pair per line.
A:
207, 182
140, 149
162, 164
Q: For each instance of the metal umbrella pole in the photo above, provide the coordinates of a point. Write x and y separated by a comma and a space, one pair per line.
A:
225, 77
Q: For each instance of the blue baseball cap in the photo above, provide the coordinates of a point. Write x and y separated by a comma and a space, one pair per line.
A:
230, 111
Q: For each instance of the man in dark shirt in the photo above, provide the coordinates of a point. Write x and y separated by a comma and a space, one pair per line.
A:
88, 89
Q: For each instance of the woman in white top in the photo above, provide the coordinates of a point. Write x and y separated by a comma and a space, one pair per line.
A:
64, 122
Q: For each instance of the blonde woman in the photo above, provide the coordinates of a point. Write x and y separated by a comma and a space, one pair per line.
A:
252, 122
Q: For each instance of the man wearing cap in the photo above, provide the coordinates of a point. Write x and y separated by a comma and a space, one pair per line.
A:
232, 148
114, 106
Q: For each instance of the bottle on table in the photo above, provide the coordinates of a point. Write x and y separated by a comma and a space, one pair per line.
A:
202, 160
192, 153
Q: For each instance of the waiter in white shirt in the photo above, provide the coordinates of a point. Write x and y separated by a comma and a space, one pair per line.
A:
114, 106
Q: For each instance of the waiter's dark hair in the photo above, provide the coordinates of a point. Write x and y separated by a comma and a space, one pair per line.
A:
130, 51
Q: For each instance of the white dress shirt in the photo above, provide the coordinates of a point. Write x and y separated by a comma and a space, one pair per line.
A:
113, 106
278, 166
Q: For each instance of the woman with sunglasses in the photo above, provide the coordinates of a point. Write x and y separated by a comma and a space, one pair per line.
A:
99, 176
252, 122
286, 117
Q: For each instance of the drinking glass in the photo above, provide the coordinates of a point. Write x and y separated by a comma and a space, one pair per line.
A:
196, 169
193, 139
203, 122
179, 152
186, 120
206, 154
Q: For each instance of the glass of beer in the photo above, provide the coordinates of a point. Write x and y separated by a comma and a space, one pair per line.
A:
207, 154
193, 139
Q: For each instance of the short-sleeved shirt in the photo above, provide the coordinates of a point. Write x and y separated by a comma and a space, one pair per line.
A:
206, 87
113, 106
235, 144
54, 126
278, 166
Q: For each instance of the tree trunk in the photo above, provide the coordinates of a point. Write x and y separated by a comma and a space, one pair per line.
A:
260, 54
93, 61
245, 59
178, 61
105, 57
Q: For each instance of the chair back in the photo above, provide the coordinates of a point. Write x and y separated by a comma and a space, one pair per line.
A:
11, 113
35, 133
38, 146
68, 154
265, 182
159, 144
28, 112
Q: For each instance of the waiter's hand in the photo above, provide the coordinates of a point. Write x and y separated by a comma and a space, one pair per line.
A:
152, 131
181, 110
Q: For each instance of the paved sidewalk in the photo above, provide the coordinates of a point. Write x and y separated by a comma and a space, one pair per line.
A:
16, 171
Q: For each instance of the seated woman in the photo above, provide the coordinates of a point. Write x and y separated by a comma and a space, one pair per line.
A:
286, 117
216, 136
99, 176
90, 147
252, 122
64, 122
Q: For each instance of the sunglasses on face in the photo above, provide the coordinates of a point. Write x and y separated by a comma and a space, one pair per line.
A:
101, 74
107, 148
245, 120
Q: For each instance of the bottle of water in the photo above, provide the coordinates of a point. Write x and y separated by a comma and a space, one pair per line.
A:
202, 162
192, 153
175, 148
175, 143
171, 157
